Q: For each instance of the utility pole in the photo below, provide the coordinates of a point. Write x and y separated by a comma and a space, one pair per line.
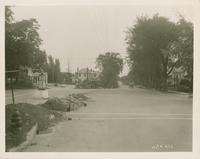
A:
12, 73
13, 97
87, 74
68, 67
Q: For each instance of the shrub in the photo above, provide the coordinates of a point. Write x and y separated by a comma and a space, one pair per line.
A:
89, 84
29, 115
184, 82
183, 88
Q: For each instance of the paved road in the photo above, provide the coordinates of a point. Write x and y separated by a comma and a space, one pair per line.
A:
123, 120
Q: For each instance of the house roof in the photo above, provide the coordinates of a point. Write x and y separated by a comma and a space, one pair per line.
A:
84, 70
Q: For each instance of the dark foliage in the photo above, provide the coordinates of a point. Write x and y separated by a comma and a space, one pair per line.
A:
110, 64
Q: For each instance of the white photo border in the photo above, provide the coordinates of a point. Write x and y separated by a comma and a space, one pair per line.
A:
195, 154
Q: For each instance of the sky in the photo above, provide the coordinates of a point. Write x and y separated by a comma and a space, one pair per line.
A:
77, 34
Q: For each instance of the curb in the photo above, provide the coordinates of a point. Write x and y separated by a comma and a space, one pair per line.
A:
29, 138
182, 93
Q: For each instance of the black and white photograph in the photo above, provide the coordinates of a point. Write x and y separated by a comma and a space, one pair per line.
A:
99, 78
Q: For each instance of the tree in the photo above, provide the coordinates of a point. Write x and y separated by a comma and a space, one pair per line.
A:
149, 42
110, 65
51, 71
125, 80
57, 71
40, 60
182, 48
9, 41
54, 73
8, 15
22, 42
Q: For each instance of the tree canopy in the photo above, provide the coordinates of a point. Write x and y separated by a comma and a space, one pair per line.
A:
22, 43
110, 65
155, 46
22, 47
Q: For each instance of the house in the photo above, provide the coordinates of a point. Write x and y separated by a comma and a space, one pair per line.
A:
176, 76
38, 77
85, 74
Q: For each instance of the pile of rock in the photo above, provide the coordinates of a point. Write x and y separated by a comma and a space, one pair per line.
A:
80, 96
67, 103
55, 104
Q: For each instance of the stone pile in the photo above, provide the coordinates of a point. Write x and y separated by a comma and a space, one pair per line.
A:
68, 103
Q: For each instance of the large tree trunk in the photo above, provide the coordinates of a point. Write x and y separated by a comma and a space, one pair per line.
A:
164, 83
164, 74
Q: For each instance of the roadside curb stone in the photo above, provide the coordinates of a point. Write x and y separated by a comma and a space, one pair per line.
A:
29, 138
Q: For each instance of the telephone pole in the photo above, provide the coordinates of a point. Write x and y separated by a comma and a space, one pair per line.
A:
68, 67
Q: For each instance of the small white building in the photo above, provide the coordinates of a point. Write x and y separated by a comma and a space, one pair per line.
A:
38, 77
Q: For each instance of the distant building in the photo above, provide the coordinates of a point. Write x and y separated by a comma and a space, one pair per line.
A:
67, 77
85, 74
176, 76
35, 75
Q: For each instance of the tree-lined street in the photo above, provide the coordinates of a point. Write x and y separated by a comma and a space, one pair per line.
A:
137, 72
